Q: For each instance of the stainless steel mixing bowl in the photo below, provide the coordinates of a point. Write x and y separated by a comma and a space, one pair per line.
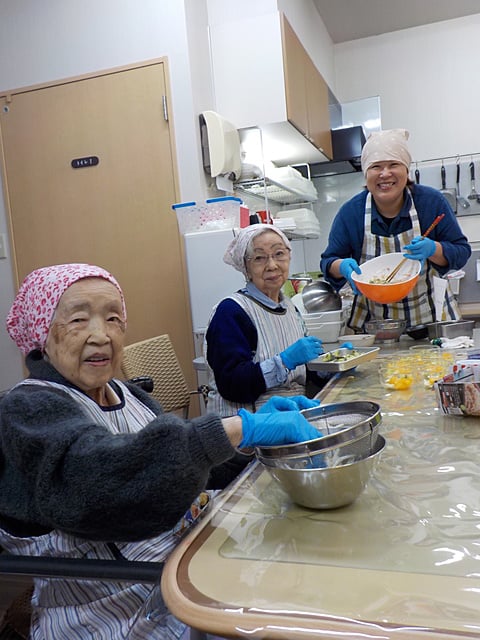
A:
348, 430
319, 295
330, 487
386, 331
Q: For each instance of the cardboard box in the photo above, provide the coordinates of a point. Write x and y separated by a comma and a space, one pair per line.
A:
458, 398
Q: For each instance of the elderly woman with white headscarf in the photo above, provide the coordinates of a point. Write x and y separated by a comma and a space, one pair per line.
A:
391, 215
256, 344
92, 467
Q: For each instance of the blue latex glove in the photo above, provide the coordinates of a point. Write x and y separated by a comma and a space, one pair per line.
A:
281, 427
420, 249
347, 267
290, 403
301, 351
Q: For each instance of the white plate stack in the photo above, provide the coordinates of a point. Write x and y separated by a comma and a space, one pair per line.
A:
305, 221
319, 325
326, 325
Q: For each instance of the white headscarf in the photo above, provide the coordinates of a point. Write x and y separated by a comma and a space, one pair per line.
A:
237, 249
383, 146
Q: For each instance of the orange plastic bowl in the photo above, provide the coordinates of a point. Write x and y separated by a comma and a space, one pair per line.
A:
401, 285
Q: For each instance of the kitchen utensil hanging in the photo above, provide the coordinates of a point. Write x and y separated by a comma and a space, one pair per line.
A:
450, 194
390, 276
473, 195
463, 202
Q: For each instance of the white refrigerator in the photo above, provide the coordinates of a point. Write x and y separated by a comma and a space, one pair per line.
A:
209, 278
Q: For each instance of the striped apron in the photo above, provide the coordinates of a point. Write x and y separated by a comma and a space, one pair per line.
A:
275, 333
80, 609
418, 307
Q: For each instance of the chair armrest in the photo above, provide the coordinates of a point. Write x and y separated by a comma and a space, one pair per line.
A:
81, 568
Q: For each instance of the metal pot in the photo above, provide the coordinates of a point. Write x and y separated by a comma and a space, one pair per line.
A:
320, 296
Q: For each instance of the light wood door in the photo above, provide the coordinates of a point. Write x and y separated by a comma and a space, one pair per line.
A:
117, 213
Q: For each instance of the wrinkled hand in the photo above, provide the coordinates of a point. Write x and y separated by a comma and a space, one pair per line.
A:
281, 427
420, 249
301, 351
347, 267
290, 403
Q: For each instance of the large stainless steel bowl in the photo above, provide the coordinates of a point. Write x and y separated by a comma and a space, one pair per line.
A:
330, 487
348, 429
319, 295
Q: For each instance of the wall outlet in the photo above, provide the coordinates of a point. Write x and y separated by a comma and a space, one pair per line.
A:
3, 246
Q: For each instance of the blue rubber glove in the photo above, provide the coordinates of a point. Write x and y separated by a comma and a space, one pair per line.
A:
347, 267
301, 351
281, 427
420, 249
290, 403
346, 345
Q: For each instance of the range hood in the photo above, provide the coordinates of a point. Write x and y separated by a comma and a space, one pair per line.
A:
347, 144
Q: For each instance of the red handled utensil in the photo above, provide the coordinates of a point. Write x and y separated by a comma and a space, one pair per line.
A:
390, 276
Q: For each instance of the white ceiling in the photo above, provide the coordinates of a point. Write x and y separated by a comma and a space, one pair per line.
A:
353, 19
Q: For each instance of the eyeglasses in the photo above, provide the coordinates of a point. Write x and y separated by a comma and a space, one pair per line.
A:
282, 255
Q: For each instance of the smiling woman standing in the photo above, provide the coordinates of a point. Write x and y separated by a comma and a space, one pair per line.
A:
391, 215
256, 345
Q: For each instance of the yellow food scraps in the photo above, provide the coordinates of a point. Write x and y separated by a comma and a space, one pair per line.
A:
399, 381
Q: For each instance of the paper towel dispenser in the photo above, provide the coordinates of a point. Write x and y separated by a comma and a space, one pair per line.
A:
220, 146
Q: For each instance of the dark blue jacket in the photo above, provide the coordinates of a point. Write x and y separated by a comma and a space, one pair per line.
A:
346, 235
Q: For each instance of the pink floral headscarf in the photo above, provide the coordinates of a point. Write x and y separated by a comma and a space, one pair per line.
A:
32, 311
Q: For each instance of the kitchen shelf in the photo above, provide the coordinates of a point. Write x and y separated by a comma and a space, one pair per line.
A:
266, 188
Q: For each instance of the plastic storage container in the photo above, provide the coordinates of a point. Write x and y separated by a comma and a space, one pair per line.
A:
213, 214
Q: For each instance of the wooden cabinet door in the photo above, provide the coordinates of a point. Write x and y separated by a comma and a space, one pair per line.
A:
306, 92
317, 109
117, 213
294, 70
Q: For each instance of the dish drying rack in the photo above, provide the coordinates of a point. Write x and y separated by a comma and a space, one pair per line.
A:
269, 189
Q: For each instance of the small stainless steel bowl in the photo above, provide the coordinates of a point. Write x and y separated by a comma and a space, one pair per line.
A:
386, 330
328, 487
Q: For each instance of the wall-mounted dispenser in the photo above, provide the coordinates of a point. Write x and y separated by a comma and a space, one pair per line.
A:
220, 146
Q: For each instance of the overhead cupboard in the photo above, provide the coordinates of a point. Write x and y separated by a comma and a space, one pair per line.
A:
271, 82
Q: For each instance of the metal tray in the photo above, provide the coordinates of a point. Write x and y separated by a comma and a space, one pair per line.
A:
324, 362
450, 329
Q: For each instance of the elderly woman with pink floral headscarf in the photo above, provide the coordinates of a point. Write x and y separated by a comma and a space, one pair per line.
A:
256, 344
391, 215
91, 466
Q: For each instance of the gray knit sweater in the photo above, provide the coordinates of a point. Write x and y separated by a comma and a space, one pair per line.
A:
60, 470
